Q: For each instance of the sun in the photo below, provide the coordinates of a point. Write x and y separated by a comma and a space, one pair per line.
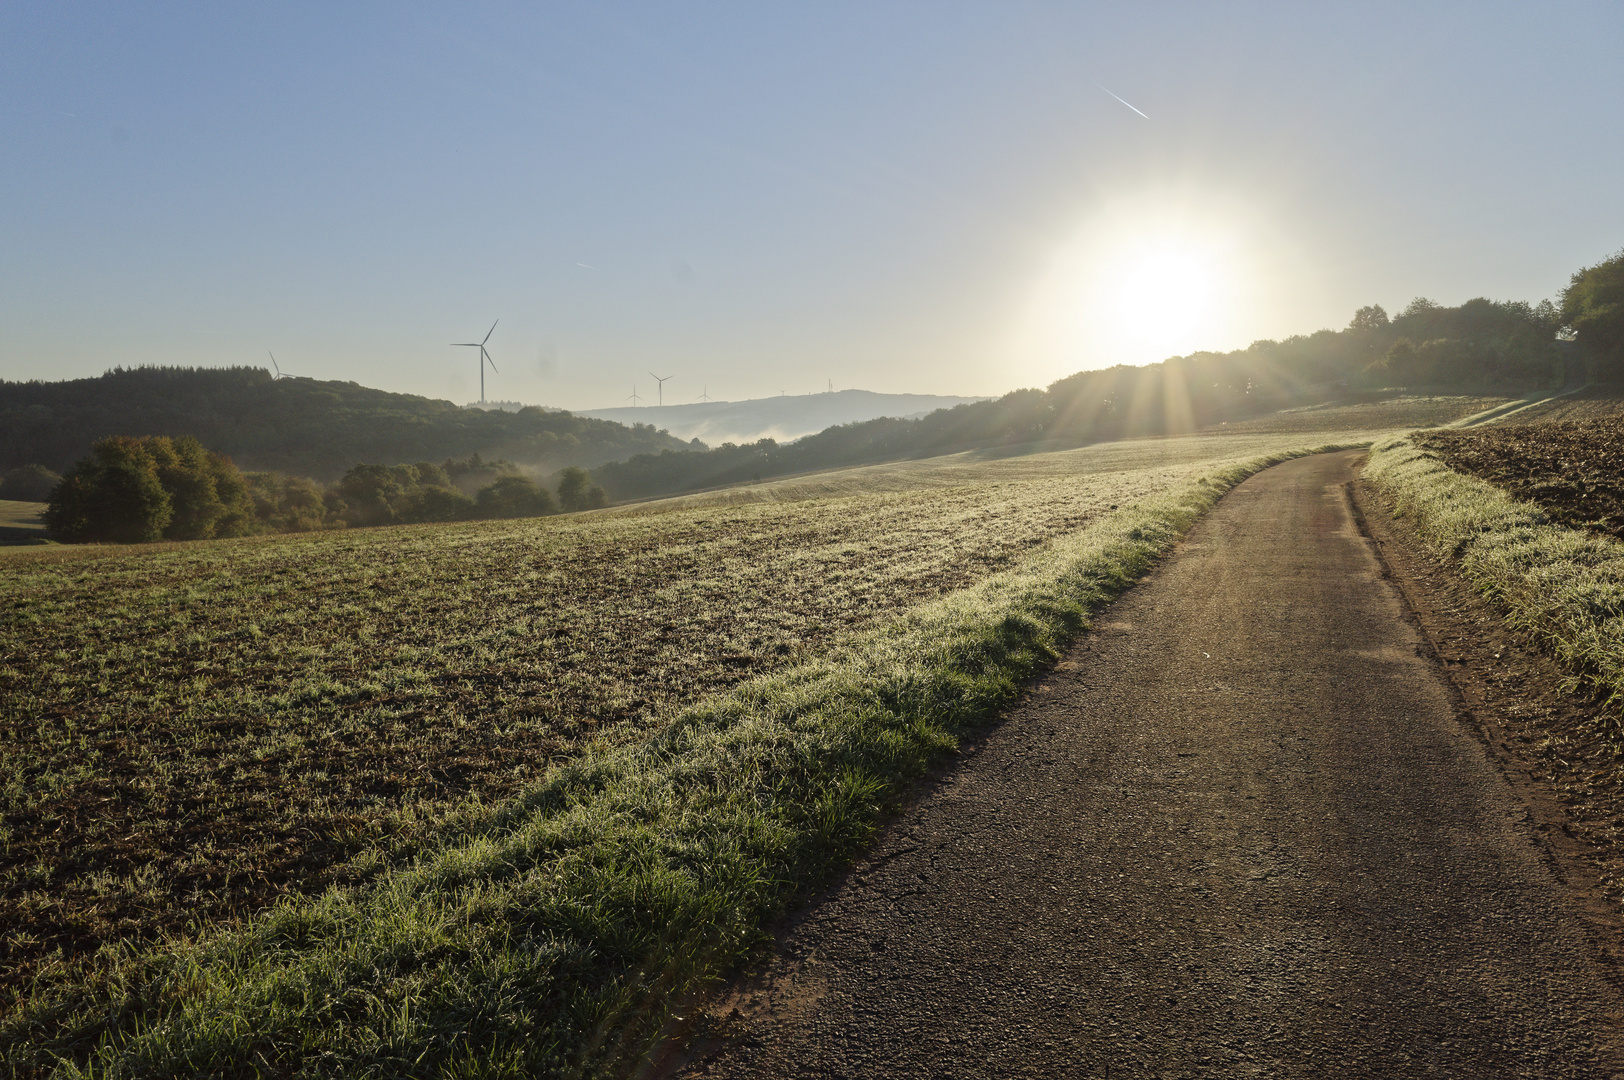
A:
1165, 297
1146, 277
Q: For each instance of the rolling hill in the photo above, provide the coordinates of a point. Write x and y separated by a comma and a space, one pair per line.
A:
302, 426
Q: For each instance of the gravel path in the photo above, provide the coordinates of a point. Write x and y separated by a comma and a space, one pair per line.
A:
1240, 831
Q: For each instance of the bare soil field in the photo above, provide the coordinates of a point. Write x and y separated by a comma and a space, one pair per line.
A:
1574, 469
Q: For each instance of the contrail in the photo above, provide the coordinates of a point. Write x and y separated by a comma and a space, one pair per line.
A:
594, 267
1123, 102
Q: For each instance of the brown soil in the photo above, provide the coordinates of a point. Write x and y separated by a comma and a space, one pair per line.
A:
1276, 817
1574, 469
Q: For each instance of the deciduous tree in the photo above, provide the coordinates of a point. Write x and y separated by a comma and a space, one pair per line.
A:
514, 496
1593, 305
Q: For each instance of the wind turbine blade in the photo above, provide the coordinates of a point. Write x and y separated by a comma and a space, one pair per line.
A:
487, 356
492, 330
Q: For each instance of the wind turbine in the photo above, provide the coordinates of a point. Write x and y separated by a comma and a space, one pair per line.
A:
632, 397
704, 395
661, 381
484, 357
274, 364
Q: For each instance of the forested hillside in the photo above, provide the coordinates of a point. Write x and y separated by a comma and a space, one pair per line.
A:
300, 426
322, 429
1479, 346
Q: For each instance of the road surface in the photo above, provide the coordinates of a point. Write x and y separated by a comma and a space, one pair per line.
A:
1240, 831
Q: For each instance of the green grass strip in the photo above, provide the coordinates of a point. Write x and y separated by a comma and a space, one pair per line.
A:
558, 940
1563, 586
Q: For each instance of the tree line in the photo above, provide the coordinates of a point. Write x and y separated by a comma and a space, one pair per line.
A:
1480, 346
139, 489
298, 426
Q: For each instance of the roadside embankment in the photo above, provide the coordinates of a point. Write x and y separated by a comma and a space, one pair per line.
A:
1563, 586
557, 937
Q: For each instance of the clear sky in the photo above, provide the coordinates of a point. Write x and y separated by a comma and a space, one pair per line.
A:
755, 197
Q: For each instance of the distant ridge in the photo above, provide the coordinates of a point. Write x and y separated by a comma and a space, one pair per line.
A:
783, 418
297, 425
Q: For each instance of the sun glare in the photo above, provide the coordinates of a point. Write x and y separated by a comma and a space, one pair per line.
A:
1156, 276
1165, 297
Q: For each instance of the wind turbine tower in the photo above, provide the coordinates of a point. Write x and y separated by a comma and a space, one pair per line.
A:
661, 381
484, 357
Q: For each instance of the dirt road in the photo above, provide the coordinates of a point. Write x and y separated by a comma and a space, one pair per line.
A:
1240, 831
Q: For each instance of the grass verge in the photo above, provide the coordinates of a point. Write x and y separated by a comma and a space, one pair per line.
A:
1562, 586
555, 935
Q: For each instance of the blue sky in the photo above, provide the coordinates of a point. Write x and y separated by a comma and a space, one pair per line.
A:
761, 197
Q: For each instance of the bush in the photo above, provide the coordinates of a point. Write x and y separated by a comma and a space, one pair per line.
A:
207, 493
133, 491
292, 503
375, 494
28, 483
577, 492
439, 504
105, 499
514, 496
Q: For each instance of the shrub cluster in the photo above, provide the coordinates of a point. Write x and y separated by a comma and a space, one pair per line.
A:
136, 490
28, 483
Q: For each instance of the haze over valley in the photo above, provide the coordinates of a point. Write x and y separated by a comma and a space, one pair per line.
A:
784, 418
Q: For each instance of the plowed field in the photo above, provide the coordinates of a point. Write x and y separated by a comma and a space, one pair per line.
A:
1574, 469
